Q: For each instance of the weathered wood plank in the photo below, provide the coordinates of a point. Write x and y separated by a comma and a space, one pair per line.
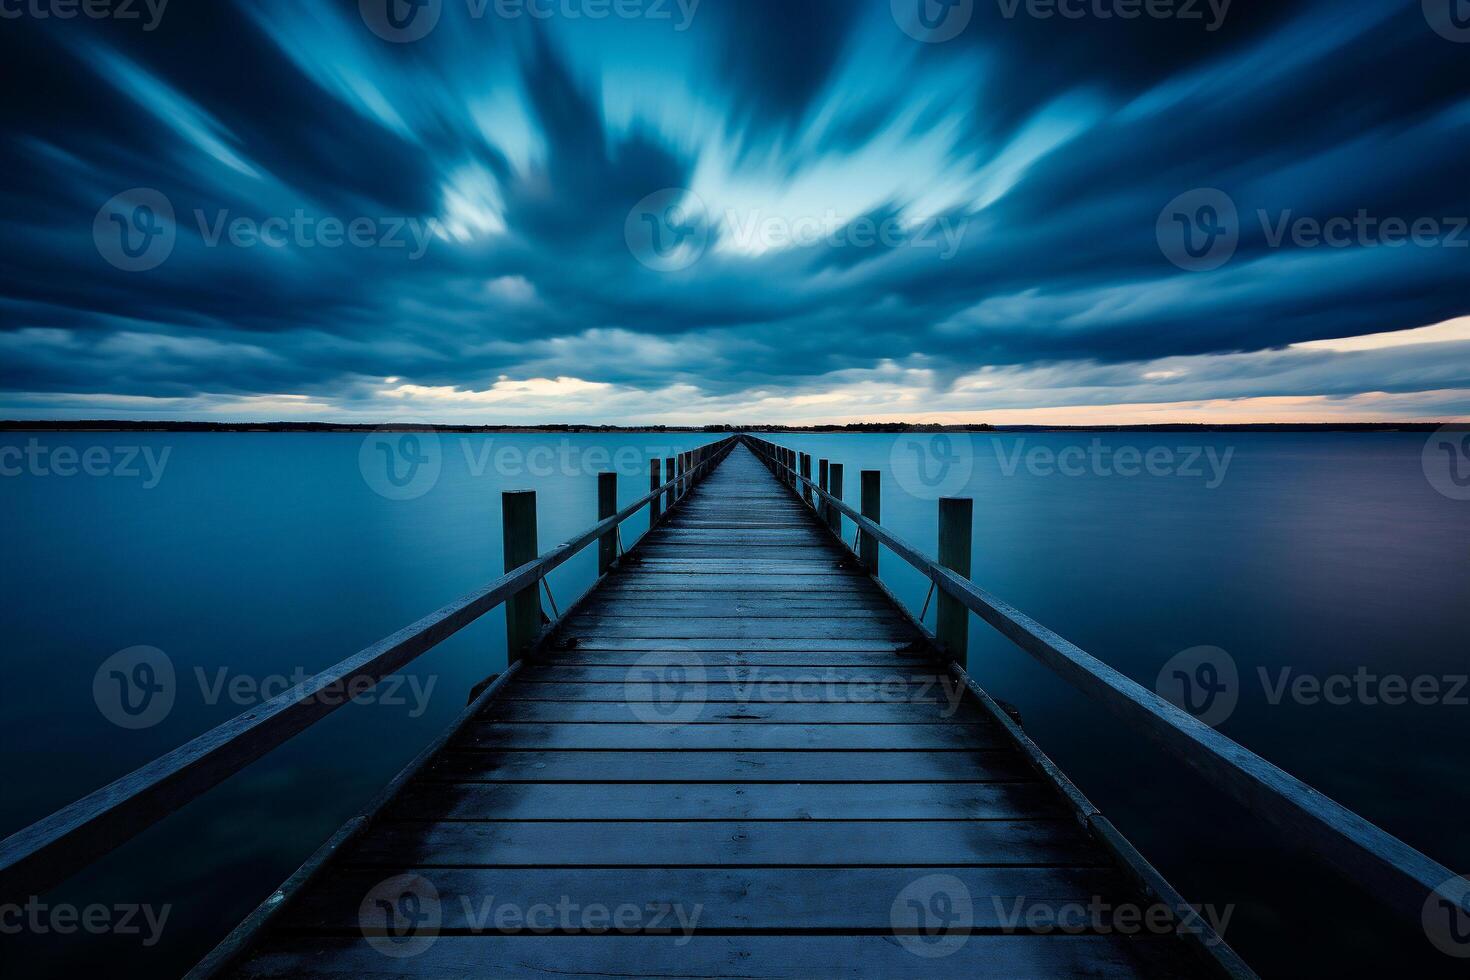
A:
731, 692
747, 899
727, 801
657, 735
653, 670
800, 843
755, 957
725, 712
978, 765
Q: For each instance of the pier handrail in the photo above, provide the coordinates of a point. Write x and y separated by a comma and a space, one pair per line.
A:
52, 849
1364, 853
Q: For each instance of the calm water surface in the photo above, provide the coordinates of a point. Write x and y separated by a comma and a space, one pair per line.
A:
254, 558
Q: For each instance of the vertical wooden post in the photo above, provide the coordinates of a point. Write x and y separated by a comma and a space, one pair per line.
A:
834, 516
872, 508
822, 473
518, 538
952, 622
683, 474
655, 511
806, 471
673, 493
607, 506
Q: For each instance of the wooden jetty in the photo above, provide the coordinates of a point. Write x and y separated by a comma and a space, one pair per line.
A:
737, 756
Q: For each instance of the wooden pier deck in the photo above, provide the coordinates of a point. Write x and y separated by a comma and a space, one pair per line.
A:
742, 740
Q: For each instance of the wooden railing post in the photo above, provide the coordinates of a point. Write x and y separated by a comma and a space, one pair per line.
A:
683, 474
806, 471
952, 618
607, 506
823, 468
518, 536
834, 516
655, 480
871, 486
673, 494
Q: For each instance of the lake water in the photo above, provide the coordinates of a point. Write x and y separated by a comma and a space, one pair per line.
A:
250, 559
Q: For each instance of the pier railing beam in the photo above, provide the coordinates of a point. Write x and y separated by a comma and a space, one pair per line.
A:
518, 536
607, 506
871, 487
952, 618
655, 480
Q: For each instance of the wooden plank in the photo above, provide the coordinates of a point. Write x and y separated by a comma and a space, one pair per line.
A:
728, 801
747, 843
729, 691
591, 657
893, 674
675, 736
726, 712
747, 644
744, 899
711, 629
753, 957
978, 765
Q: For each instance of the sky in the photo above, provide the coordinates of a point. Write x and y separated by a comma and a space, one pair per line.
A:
706, 211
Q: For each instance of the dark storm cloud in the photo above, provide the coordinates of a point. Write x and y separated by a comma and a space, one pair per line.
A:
1059, 142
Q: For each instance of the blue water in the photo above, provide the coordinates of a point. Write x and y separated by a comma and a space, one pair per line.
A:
267, 555
1322, 553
